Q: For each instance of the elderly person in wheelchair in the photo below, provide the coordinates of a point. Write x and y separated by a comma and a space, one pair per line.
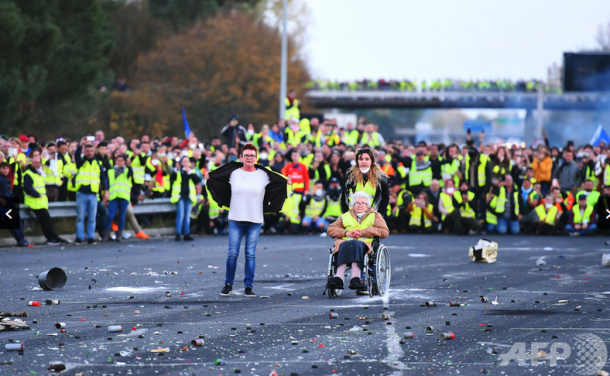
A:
354, 232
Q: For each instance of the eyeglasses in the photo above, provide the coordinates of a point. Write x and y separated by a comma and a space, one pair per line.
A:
360, 203
249, 155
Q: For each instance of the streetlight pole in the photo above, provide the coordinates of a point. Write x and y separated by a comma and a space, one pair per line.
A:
284, 70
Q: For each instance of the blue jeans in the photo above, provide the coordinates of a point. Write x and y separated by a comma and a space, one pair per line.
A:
591, 227
86, 206
113, 205
237, 230
320, 224
505, 224
183, 216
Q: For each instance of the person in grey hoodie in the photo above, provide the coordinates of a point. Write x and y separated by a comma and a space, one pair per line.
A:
568, 172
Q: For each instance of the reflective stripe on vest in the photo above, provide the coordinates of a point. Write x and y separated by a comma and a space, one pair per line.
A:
292, 210
480, 171
119, 187
368, 188
551, 216
333, 209
177, 187
540, 212
351, 224
52, 178
36, 203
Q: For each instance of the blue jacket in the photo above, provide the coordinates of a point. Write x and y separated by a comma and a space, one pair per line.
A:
5, 187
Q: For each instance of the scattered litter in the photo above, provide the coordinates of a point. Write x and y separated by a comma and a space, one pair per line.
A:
333, 315
430, 304
11, 324
564, 301
53, 279
385, 316
13, 347
606, 259
447, 336
198, 342
541, 355
57, 367
541, 261
305, 297
115, 328
34, 303
60, 325
408, 335
495, 302
161, 350
418, 255
484, 299
52, 302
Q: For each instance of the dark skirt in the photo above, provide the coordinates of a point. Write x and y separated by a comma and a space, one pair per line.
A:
351, 251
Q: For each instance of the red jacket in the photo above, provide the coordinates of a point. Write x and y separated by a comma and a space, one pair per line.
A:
299, 176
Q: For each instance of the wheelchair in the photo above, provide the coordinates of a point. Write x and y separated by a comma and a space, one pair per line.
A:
376, 274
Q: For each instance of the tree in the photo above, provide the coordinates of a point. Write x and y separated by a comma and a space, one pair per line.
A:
52, 51
229, 64
603, 37
180, 13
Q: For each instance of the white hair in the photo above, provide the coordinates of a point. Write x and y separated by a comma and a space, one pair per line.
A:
360, 194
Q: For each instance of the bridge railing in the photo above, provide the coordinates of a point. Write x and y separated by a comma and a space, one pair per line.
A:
68, 209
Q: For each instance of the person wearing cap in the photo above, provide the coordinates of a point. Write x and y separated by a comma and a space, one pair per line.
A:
5, 195
333, 201
354, 232
582, 218
366, 176
247, 190
234, 133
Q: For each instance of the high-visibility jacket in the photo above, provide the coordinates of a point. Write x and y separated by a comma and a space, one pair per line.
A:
447, 203
316, 174
578, 219
16, 164
590, 175
36, 203
69, 172
368, 188
420, 177
53, 178
333, 208
291, 206
388, 169
119, 186
89, 174
165, 179
351, 224
541, 212
317, 140
213, 207
371, 140
592, 197
416, 216
351, 138
466, 211
551, 216
292, 110
607, 176
314, 208
481, 174
498, 204
139, 168
177, 188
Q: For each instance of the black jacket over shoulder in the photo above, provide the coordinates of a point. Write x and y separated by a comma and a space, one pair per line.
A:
220, 188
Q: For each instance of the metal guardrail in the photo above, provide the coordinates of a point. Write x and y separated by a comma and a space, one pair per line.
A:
68, 209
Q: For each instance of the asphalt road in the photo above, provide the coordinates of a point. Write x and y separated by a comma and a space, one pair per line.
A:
287, 328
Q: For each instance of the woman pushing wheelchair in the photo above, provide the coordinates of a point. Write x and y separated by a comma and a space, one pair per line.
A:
354, 232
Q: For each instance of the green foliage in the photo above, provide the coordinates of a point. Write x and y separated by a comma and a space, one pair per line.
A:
180, 13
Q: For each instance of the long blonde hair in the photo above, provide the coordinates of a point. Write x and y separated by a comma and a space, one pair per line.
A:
375, 173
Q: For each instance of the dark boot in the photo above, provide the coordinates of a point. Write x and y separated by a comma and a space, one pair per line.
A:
119, 236
105, 236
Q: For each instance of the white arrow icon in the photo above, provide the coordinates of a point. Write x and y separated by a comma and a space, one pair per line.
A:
9, 212
608, 211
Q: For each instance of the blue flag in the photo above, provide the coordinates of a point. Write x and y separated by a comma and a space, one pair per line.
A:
187, 130
600, 135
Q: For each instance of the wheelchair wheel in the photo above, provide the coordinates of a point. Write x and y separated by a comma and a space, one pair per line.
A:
334, 293
383, 271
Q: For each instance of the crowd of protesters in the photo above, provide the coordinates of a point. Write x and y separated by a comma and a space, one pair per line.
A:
448, 85
424, 188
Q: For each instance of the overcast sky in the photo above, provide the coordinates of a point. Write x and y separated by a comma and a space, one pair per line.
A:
463, 39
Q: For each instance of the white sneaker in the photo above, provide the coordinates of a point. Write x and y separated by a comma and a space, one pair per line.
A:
323, 235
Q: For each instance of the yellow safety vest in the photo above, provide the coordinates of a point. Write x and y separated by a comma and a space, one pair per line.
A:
213, 208
371, 140
333, 209
551, 216
416, 215
119, 186
292, 112
577, 218
541, 212
36, 203
481, 177
466, 211
420, 177
69, 172
139, 169
368, 188
351, 224
177, 186
447, 203
53, 178
89, 174
607, 176
592, 197
314, 208
291, 206
451, 170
